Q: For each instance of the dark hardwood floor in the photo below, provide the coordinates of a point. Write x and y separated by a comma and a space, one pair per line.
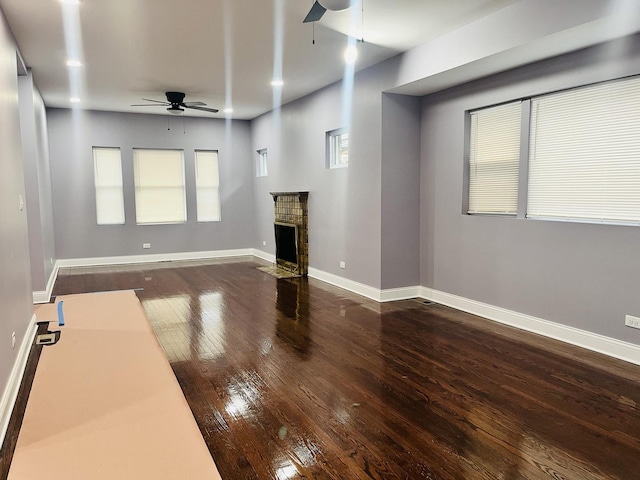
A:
296, 379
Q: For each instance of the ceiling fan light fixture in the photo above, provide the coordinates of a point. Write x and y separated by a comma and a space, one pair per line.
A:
175, 110
336, 5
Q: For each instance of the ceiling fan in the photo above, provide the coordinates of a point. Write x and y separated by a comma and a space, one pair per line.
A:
321, 6
175, 102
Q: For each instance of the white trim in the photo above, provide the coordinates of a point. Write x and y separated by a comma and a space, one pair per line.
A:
44, 296
404, 293
157, 257
269, 257
355, 287
10, 394
628, 352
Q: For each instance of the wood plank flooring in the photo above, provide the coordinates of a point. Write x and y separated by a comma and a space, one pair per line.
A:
293, 379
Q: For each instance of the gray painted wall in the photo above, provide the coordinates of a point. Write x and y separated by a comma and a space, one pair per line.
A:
37, 178
581, 275
72, 135
344, 204
400, 213
15, 279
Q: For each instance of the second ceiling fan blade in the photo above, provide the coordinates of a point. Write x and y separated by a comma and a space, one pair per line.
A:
164, 102
150, 105
315, 14
204, 109
194, 104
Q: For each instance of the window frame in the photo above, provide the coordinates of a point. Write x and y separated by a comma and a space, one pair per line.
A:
198, 187
333, 148
137, 188
262, 169
524, 159
98, 187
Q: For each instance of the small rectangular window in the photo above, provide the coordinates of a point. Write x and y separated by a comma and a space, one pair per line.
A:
494, 155
207, 186
261, 165
159, 186
107, 166
338, 148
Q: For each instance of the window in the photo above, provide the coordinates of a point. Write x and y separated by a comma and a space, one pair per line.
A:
584, 154
494, 154
207, 186
261, 166
159, 186
338, 148
107, 168
578, 161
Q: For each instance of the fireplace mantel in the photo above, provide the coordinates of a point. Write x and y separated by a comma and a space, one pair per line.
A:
299, 195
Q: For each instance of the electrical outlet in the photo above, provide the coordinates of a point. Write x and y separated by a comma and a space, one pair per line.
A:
13, 340
343, 265
146, 245
264, 243
633, 322
21, 202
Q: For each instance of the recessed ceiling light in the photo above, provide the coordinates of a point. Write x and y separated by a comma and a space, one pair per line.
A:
228, 110
74, 63
74, 100
277, 83
351, 54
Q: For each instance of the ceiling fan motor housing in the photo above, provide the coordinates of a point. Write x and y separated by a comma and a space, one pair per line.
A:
175, 98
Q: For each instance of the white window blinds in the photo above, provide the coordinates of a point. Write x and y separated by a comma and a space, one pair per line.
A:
207, 186
107, 168
159, 186
494, 159
584, 160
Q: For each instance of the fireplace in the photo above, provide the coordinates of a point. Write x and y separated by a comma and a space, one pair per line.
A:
286, 242
291, 232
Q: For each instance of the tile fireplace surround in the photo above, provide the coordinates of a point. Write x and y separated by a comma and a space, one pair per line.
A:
291, 207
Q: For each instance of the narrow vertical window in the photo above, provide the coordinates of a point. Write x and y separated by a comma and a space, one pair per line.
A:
338, 148
107, 168
494, 155
207, 186
160, 190
261, 165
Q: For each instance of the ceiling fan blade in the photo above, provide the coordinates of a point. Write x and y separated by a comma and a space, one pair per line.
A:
164, 102
315, 14
151, 105
194, 104
204, 109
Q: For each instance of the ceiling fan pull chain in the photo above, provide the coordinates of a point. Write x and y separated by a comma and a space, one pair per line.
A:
362, 26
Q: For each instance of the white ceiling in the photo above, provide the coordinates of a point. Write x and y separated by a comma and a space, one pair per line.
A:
221, 52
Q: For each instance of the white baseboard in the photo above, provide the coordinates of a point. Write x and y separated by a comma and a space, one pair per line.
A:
352, 286
628, 352
155, 257
269, 257
10, 394
43, 296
